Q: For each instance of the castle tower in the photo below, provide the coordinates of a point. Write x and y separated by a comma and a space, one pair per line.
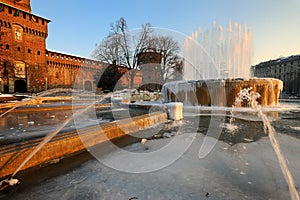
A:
20, 4
149, 62
22, 48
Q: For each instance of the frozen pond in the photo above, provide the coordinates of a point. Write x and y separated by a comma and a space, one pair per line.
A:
242, 165
23, 125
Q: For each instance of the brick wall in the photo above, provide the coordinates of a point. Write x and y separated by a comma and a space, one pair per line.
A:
68, 71
20, 4
23, 43
25, 63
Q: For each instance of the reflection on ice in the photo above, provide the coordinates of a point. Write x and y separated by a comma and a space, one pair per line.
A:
241, 171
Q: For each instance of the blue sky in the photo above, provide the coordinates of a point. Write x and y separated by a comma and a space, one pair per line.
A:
78, 25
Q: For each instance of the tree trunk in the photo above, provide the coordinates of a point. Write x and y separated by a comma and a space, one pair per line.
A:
132, 75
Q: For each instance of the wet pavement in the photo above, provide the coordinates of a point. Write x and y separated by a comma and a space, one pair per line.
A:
242, 165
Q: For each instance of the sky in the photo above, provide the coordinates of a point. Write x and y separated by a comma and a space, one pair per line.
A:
78, 25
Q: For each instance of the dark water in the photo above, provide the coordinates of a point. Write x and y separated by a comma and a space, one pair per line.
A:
242, 165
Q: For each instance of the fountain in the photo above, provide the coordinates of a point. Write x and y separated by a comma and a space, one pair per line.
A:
215, 55
43, 144
220, 85
11, 181
221, 92
250, 97
217, 73
217, 67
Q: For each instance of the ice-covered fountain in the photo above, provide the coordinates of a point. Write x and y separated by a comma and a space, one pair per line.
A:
242, 164
217, 73
217, 68
221, 92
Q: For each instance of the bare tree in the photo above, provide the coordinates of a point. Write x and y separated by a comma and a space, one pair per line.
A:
174, 68
121, 48
171, 65
108, 51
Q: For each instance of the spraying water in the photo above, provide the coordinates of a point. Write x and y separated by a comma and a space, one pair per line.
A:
247, 96
213, 54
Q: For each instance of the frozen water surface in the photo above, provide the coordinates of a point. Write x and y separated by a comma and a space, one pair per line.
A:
242, 165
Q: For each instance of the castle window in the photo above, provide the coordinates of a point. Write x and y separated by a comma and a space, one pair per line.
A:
43, 22
29, 50
38, 53
7, 46
19, 48
18, 32
37, 20
9, 10
24, 15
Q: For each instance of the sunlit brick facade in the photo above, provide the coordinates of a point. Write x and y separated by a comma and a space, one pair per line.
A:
25, 63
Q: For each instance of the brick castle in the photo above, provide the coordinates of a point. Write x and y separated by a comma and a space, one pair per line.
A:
25, 63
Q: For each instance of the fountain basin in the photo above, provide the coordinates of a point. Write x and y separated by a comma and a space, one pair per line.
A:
11, 156
221, 92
